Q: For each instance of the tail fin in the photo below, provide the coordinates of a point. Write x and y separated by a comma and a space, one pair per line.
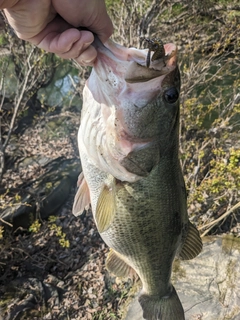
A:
166, 308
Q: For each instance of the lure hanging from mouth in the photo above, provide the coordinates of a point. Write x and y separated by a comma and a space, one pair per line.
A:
155, 45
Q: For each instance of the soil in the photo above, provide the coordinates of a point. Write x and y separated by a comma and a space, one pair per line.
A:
57, 270
80, 287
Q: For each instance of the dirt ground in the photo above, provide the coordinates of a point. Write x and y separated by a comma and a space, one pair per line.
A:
56, 271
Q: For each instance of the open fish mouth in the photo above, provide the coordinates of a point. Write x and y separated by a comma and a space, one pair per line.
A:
140, 69
142, 73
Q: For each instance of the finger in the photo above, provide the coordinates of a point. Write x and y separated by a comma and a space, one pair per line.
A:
104, 29
71, 44
75, 48
7, 3
102, 25
64, 42
88, 57
29, 17
91, 14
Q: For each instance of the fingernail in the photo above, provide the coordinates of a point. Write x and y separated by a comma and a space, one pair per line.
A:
89, 62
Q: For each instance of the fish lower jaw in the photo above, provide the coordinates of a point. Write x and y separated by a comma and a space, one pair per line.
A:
107, 161
128, 146
125, 144
111, 165
125, 164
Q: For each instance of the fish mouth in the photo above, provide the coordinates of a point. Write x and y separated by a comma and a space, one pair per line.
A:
138, 72
133, 61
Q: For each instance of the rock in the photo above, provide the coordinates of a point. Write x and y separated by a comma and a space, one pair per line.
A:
34, 160
208, 286
26, 295
2, 23
26, 121
49, 192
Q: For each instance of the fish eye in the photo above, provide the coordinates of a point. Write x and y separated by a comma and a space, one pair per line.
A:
171, 95
156, 46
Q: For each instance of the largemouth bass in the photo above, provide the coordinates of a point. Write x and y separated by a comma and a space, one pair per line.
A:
128, 142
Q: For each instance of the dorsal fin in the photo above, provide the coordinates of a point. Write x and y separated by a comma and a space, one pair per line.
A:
82, 197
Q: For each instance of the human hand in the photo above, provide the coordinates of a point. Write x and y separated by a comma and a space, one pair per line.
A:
52, 25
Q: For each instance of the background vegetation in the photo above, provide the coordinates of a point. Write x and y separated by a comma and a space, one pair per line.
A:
208, 37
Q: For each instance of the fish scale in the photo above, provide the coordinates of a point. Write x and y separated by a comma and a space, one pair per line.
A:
141, 224
128, 143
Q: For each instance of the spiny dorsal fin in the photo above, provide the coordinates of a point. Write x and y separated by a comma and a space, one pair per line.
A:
106, 206
82, 197
117, 266
192, 245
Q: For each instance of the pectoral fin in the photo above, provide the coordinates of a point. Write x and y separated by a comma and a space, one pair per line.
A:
192, 245
106, 207
118, 266
82, 197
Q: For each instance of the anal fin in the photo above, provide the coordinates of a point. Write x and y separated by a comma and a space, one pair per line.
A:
82, 197
192, 244
118, 266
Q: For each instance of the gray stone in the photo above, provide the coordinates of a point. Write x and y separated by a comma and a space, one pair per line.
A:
25, 295
208, 286
50, 191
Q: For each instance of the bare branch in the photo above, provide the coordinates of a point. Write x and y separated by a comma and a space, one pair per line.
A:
19, 100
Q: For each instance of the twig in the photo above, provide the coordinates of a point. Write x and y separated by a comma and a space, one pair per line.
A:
2, 150
213, 223
152, 13
19, 101
3, 221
